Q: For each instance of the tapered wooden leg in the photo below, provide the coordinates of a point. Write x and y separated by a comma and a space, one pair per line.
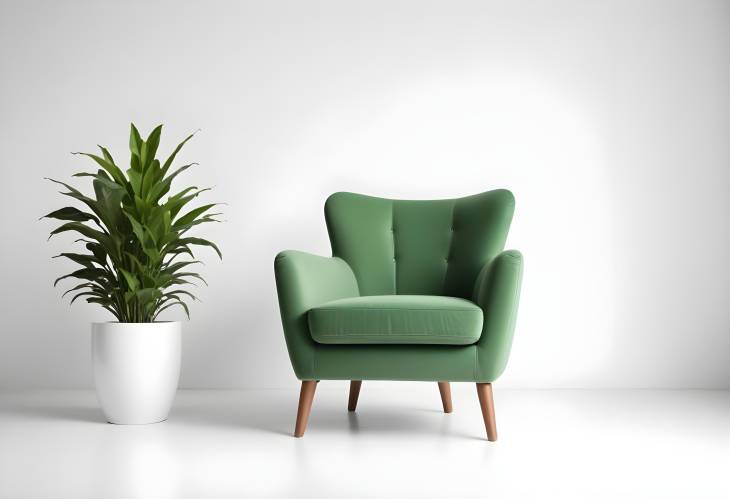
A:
486, 401
354, 394
445, 390
306, 395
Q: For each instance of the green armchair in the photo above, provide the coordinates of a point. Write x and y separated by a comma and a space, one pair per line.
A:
415, 290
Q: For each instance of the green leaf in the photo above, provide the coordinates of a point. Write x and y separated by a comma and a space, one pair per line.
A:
71, 213
201, 242
135, 141
91, 203
175, 203
106, 304
158, 222
109, 201
87, 231
137, 229
143, 296
132, 281
98, 251
85, 260
80, 286
204, 220
111, 168
163, 187
148, 177
86, 293
178, 251
192, 215
135, 178
134, 163
191, 274
84, 273
172, 303
181, 292
169, 160
179, 265
153, 142
153, 254
106, 154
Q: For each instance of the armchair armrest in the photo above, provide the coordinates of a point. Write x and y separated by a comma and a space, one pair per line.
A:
304, 281
497, 292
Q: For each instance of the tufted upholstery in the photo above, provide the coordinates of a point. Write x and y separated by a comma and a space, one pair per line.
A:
418, 247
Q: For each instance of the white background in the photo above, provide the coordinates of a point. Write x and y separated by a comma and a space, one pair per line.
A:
610, 121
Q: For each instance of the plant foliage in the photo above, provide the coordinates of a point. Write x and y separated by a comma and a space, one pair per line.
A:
137, 244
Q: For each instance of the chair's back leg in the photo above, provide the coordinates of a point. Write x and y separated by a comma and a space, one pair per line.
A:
354, 394
445, 390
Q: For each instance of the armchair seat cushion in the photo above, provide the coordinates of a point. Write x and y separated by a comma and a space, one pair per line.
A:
397, 319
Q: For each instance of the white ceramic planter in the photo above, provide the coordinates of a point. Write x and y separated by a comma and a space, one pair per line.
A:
136, 369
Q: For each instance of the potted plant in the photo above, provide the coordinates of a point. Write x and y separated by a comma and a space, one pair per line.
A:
135, 265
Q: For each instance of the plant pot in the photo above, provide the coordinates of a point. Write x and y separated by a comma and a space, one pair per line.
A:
136, 369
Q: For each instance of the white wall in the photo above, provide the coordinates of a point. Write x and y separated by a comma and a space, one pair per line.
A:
610, 121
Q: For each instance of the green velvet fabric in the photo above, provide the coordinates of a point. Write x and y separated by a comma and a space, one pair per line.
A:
304, 281
418, 247
396, 319
450, 248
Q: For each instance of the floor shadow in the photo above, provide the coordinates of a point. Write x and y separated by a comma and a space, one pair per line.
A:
432, 411
262, 416
271, 415
278, 417
87, 414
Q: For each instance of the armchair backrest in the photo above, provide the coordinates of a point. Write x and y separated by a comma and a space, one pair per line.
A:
418, 247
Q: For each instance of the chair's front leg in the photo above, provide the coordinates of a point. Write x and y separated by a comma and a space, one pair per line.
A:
306, 395
486, 401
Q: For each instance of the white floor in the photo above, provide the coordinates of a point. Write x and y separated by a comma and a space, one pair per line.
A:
219, 444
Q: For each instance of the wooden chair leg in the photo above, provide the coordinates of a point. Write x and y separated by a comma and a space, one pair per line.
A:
306, 395
354, 394
445, 390
486, 401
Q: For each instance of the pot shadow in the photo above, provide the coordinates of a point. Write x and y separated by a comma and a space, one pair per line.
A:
80, 413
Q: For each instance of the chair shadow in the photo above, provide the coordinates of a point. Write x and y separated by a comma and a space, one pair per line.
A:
278, 417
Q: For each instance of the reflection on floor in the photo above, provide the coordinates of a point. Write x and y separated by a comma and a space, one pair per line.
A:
219, 444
